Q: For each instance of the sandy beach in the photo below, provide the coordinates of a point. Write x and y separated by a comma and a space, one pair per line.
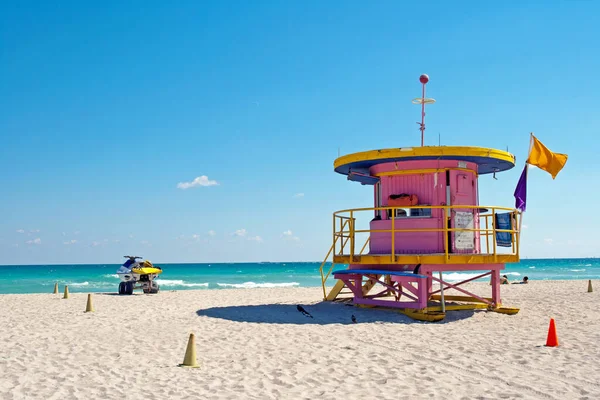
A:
254, 344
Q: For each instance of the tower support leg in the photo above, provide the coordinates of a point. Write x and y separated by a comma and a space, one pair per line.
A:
496, 287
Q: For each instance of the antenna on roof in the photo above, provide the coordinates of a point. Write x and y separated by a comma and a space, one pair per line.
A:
422, 101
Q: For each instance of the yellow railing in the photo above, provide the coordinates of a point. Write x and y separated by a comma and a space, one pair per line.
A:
332, 249
345, 232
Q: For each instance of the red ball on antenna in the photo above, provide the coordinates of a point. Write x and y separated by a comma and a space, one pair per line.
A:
424, 79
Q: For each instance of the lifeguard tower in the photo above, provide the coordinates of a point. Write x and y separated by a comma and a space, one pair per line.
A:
426, 221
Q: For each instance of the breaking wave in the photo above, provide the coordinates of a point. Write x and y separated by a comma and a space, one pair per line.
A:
252, 285
179, 282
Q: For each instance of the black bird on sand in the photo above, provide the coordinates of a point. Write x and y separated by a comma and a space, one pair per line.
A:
303, 311
353, 318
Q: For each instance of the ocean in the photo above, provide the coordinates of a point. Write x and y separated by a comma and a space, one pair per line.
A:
103, 277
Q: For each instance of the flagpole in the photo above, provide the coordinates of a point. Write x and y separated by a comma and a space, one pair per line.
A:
526, 173
530, 146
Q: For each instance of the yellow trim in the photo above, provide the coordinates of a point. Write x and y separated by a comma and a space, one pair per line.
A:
380, 259
506, 310
424, 314
337, 288
422, 171
459, 206
146, 270
458, 307
460, 298
420, 315
365, 246
426, 151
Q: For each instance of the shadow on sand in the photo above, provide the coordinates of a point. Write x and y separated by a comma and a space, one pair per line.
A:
323, 313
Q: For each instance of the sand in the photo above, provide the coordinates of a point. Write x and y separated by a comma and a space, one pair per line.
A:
254, 344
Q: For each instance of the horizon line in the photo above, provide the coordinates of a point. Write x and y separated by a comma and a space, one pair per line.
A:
252, 262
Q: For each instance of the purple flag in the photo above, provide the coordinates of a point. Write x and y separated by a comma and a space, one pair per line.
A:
521, 191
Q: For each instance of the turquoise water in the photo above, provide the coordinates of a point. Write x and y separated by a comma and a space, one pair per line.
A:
103, 278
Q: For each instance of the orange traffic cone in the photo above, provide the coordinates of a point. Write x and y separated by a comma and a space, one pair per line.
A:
552, 340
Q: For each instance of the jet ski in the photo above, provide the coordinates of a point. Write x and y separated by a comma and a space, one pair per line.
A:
136, 274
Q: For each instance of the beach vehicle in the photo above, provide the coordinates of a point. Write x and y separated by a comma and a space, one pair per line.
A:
136, 274
426, 222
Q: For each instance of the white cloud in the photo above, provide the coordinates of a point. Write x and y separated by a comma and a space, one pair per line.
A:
131, 236
34, 241
94, 244
76, 233
195, 236
72, 241
64, 233
288, 235
20, 230
34, 231
211, 233
298, 195
240, 232
199, 181
548, 241
145, 243
244, 233
525, 226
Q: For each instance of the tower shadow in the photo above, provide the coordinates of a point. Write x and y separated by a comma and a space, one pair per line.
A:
322, 313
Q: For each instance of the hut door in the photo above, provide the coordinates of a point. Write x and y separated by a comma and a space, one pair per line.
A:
463, 191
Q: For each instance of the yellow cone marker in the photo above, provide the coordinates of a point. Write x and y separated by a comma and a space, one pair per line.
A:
89, 307
190, 354
590, 290
66, 295
56, 288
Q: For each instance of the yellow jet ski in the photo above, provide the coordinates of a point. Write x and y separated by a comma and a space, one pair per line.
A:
146, 268
138, 275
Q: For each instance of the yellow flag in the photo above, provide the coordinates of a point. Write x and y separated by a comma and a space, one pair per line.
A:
543, 158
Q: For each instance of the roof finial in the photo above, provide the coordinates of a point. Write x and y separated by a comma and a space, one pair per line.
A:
423, 100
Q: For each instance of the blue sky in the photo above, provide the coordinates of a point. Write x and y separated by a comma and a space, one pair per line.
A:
105, 109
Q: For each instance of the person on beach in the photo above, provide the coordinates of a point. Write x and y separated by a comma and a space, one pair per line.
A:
504, 280
524, 282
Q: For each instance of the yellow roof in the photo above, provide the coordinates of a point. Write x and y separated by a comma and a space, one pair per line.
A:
488, 160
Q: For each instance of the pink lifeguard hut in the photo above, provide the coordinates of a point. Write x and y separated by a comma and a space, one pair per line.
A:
426, 221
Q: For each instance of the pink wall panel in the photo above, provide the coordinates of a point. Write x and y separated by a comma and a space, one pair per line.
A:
407, 242
425, 186
430, 187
